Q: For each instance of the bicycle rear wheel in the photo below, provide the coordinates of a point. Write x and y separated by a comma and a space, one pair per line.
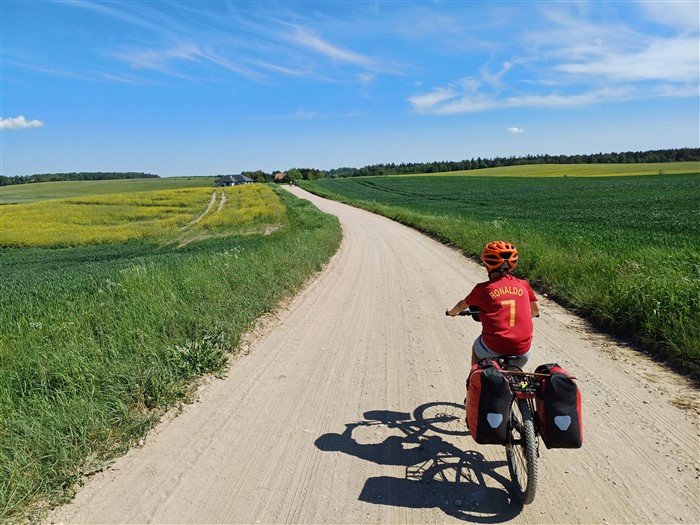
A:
521, 451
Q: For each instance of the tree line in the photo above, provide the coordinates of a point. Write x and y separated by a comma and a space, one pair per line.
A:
85, 175
289, 175
411, 168
627, 157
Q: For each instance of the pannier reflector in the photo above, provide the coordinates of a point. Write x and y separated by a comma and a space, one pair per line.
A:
494, 419
562, 422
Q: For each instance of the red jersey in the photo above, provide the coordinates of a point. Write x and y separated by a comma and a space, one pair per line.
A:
504, 309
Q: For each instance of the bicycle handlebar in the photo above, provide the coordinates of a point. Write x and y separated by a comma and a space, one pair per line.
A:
472, 312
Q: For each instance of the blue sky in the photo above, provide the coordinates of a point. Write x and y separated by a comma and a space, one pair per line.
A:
206, 88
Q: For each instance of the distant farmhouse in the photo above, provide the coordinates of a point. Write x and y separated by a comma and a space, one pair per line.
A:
233, 180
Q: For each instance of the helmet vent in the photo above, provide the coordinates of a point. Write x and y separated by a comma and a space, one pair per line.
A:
500, 255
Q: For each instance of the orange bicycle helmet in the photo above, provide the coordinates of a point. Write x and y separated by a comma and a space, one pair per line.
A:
499, 255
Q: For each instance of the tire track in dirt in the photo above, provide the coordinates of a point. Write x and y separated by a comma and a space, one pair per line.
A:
317, 423
222, 201
209, 207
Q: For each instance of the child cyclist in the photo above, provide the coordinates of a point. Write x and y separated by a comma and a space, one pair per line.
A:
506, 307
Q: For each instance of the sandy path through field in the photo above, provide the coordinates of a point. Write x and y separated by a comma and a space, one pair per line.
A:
323, 421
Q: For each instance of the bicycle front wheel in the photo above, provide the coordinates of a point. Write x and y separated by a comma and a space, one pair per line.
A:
521, 451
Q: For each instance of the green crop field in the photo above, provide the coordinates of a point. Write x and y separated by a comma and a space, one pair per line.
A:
621, 250
98, 340
580, 170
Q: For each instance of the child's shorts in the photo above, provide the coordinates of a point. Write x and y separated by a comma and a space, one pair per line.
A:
482, 352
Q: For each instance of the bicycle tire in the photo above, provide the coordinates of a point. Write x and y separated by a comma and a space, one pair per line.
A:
442, 417
521, 451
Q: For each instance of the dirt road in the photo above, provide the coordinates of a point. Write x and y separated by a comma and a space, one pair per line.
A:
323, 421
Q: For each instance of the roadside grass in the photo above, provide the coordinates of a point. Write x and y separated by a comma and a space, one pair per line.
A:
36, 191
620, 250
98, 341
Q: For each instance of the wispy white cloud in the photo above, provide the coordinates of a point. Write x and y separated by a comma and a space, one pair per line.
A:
495, 79
121, 79
427, 102
256, 43
298, 71
575, 60
444, 32
171, 38
25, 63
570, 55
366, 78
229, 65
515, 131
166, 60
87, 73
599, 52
120, 14
683, 16
670, 60
305, 114
309, 39
19, 123
453, 101
262, 44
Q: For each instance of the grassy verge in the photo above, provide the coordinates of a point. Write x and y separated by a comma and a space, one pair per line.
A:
99, 341
620, 250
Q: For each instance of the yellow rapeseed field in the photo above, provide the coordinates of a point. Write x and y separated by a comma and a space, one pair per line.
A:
156, 215
244, 209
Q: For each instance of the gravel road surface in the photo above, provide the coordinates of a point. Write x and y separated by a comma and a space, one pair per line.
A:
328, 414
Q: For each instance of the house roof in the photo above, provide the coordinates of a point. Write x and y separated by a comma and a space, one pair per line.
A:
234, 178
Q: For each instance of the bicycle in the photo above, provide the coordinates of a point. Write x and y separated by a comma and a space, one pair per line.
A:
522, 446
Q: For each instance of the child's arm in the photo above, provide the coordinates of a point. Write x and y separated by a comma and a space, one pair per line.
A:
534, 309
460, 306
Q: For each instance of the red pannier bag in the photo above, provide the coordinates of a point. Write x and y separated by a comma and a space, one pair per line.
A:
488, 403
558, 405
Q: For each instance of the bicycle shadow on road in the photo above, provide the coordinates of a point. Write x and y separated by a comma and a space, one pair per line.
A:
438, 473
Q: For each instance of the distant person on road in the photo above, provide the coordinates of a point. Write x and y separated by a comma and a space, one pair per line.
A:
506, 307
